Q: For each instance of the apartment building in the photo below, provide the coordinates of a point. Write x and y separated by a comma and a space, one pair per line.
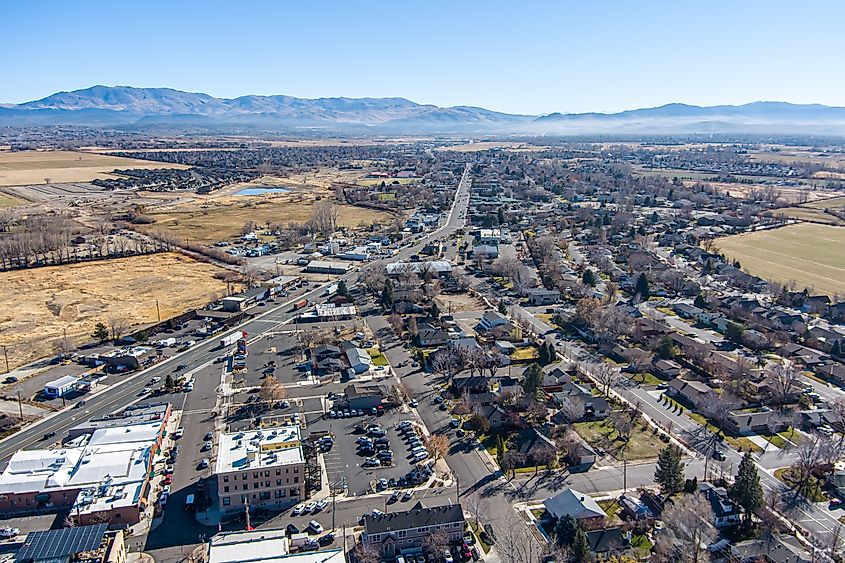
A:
265, 468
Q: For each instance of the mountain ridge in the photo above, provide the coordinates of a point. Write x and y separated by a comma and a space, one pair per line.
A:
128, 106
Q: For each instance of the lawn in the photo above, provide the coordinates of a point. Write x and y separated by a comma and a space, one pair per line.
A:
525, 354
601, 433
808, 254
811, 488
7, 200
646, 378
377, 356
610, 506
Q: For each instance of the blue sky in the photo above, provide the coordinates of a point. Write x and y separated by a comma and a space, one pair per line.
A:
517, 56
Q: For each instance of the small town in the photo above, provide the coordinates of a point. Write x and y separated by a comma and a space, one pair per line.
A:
269, 329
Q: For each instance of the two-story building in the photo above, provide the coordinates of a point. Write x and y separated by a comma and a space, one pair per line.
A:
403, 533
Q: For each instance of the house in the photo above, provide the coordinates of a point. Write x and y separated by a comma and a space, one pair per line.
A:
431, 336
531, 439
772, 548
494, 415
725, 512
667, 369
580, 506
329, 366
634, 509
359, 360
694, 392
554, 379
325, 351
326, 267
91, 544
504, 347
492, 319
403, 533
543, 296
608, 540
754, 420
471, 384
365, 397
594, 407
485, 251
61, 387
580, 455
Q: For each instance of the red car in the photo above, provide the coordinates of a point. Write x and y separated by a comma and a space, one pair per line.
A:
465, 552
168, 480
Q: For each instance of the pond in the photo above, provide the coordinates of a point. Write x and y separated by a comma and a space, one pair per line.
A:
261, 191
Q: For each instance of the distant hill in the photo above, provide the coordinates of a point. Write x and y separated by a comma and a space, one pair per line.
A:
128, 107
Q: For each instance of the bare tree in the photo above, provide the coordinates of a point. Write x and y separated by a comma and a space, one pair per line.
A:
118, 327
272, 390
324, 217
783, 380
366, 554
604, 374
64, 346
434, 543
514, 542
437, 446
689, 518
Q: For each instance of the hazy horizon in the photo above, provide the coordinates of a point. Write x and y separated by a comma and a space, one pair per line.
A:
534, 58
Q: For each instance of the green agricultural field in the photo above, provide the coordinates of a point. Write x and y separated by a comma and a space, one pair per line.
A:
809, 255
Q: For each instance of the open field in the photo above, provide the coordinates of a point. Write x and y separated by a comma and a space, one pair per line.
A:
35, 167
8, 200
223, 218
487, 145
807, 254
387, 181
810, 214
794, 155
459, 303
38, 304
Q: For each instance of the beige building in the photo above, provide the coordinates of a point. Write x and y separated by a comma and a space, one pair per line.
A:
264, 467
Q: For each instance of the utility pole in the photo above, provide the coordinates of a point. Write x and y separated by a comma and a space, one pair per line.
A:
6, 356
20, 404
158, 311
624, 474
458, 486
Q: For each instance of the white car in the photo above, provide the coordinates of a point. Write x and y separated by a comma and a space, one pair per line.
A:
315, 526
297, 510
321, 505
7, 533
178, 433
154, 380
310, 507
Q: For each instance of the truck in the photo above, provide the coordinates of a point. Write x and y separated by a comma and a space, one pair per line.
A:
301, 304
230, 339
166, 343
331, 290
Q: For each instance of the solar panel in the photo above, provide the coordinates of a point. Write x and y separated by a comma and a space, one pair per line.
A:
52, 544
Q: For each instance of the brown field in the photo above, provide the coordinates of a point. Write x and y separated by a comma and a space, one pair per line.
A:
458, 303
809, 214
809, 255
34, 167
9, 200
790, 155
487, 145
212, 220
40, 303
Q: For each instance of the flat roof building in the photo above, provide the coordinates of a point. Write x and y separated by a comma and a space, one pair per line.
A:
265, 468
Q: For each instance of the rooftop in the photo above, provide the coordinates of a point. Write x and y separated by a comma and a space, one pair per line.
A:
61, 544
417, 517
268, 448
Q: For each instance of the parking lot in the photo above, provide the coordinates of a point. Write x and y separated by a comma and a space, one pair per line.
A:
343, 460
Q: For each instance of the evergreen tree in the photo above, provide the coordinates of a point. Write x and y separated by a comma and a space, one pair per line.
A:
580, 547
434, 310
734, 332
386, 298
747, 491
641, 287
641, 231
168, 382
665, 350
501, 215
532, 379
101, 332
836, 349
503, 308
669, 473
342, 290
700, 302
588, 277
552, 354
500, 449
565, 530
544, 354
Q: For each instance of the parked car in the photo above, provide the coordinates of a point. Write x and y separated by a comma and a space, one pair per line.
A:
297, 510
291, 529
314, 527
7, 533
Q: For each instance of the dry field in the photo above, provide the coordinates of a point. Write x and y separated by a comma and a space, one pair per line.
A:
222, 218
487, 145
459, 303
35, 167
809, 255
9, 200
38, 304
794, 155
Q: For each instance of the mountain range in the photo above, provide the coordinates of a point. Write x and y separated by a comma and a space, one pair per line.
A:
166, 108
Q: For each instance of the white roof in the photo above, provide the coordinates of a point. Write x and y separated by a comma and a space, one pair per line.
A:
437, 266
63, 381
263, 448
324, 310
146, 433
39, 470
358, 356
265, 546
